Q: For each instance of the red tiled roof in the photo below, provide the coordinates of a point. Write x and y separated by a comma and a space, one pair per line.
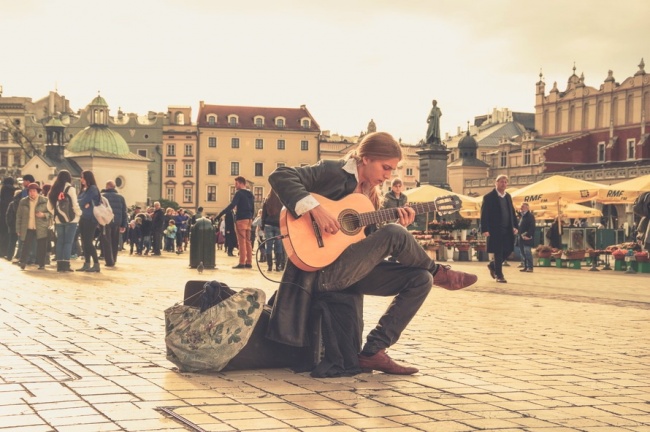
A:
246, 116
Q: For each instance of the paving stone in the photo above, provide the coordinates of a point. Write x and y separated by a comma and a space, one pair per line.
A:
531, 355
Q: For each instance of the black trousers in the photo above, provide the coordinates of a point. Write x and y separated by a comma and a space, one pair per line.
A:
157, 241
41, 248
502, 249
110, 243
87, 229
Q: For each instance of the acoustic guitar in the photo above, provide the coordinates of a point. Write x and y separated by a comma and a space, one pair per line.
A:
310, 249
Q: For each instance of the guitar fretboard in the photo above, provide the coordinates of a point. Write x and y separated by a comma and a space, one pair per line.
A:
390, 214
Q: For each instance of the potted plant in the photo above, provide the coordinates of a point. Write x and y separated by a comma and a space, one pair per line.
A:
480, 246
544, 251
574, 254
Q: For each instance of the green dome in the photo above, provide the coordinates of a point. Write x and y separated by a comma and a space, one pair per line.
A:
99, 101
99, 138
54, 122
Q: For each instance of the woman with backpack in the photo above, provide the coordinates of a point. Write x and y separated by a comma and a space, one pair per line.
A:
88, 198
62, 203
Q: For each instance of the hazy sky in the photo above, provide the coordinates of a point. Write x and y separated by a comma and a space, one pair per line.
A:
347, 61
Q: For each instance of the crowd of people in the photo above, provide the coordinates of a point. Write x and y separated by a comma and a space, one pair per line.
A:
35, 229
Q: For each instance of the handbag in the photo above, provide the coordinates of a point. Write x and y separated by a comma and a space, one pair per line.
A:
103, 211
206, 341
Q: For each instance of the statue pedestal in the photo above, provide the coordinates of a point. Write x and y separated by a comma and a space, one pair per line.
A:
433, 166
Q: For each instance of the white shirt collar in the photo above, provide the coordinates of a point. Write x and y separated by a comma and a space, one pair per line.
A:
351, 167
502, 195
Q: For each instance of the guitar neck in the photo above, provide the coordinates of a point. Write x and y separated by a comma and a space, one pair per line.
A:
390, 214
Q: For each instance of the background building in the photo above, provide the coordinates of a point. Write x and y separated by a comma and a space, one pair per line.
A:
96, 148
594, 134
249, 142
179, 160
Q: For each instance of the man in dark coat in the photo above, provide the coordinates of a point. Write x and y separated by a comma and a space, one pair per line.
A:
111, 233
499, 225
157, 227
526, 237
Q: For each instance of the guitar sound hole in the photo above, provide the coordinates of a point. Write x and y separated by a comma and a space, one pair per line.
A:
349, 222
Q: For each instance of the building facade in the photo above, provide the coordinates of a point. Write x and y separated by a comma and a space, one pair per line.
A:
143, 135
22, 128
179, 160
594, 134
250, 142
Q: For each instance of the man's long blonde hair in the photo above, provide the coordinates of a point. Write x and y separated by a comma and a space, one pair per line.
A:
376, 146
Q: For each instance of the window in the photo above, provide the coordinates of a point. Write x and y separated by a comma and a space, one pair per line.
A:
259, 121
234, 143
232, 192
211, 194
212, 120
281, 144
259, 169
258, 193
280, 164
305, 123
279, 122
234, 168
171, 170
212, 142
142, 152
4, 158
259, 144
4, 136
170, 193
188, 149
304, 145
187, 195
504, 159
232, 120
180, 119
409, 171
527, 157
212, 167
171, 149
187, 172
601, 152
630, 148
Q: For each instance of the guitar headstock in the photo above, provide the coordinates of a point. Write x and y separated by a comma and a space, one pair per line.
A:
448, 204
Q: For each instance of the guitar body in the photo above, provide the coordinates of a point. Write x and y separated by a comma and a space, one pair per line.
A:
311, 250
301, 240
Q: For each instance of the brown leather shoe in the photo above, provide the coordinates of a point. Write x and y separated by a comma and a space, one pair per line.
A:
381, 362
453, 280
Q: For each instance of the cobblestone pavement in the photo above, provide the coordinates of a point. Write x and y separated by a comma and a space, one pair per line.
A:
553, 350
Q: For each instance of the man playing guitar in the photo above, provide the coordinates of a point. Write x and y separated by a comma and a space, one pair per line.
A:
362, 266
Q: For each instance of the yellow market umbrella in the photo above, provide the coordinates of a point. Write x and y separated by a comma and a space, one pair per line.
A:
624, 192
569, 210
426, 193
555, 188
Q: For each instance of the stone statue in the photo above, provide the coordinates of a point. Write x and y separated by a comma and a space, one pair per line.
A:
433, 131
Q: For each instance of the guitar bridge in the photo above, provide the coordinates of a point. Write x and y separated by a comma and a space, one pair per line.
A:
319, 237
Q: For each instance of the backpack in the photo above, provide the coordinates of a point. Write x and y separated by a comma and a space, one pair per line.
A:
64, 209
103, 211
